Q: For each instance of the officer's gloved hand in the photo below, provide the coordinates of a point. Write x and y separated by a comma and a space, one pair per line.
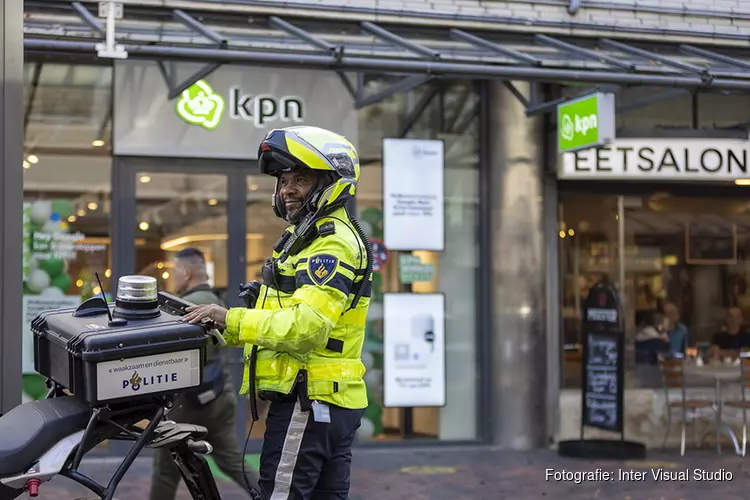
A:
249, 293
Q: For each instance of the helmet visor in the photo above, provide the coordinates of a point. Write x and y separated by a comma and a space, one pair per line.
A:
274, 163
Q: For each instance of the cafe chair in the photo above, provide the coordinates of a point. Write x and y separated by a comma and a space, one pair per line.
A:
671, 366
744, 403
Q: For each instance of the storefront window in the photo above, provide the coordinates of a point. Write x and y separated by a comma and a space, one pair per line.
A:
686, 261
175, 211
451, 116
66, 214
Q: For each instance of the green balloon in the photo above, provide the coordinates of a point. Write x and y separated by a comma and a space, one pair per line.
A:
35, 386
62, 282
371, 215
54, 267
62, 207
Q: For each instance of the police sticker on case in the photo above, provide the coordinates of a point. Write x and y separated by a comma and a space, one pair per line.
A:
321, 268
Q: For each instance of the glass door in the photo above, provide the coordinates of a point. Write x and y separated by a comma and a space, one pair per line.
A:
164, 206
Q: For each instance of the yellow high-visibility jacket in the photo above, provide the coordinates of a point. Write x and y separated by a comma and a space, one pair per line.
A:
302, 322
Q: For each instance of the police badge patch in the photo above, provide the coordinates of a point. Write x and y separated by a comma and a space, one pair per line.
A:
321, 268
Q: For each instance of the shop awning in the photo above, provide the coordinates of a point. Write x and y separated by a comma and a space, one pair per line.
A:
235, 33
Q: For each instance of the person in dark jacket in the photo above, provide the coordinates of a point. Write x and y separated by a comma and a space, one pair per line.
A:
214, 404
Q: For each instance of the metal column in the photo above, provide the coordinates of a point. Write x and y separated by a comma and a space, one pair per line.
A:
11, 201
519, 359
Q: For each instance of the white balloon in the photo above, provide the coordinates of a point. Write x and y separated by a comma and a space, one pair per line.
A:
40, 211
366, 227
38, 280
368, 360
375, 312
52, 292
374, 378
365, 431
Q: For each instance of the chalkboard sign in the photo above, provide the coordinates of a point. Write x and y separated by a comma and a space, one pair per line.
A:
602, 363
602, 382
714, 243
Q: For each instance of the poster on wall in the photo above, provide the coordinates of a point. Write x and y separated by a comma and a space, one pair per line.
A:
413, 194
413, 350
51, 245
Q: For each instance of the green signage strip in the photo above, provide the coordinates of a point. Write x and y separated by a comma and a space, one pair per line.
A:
200, 105
411, 269
586, 122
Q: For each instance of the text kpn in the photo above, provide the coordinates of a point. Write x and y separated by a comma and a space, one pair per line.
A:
264, 108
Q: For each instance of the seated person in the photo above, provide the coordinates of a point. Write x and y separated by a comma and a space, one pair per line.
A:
677, 332
733, 337
651, 339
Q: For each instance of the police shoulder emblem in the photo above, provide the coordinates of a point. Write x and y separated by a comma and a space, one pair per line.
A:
321, 268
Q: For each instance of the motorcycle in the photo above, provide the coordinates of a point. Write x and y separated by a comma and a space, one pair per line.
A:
46, 438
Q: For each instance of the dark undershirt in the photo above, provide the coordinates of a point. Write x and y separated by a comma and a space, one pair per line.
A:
728, 342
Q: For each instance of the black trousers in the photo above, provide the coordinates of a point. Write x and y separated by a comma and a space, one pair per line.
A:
306, 460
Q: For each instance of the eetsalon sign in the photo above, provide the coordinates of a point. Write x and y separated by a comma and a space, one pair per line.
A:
660, 159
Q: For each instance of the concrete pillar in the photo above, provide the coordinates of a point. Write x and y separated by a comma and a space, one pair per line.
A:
519, 362
11, 200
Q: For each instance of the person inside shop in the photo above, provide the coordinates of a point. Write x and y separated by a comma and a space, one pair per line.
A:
651, 338
733, 337
212, 405
677, 331
304, 325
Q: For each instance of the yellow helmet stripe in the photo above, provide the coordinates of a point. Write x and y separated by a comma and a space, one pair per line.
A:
306, 155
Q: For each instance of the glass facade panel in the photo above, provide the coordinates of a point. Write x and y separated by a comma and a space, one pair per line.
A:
67, 177
686, 279
451, 116
176, 211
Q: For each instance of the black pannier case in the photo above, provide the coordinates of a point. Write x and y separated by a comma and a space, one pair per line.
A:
106, 364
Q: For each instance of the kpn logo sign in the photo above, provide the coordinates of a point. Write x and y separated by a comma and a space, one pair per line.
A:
586, 122
201, 105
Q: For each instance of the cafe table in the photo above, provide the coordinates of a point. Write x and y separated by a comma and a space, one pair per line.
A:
718, 374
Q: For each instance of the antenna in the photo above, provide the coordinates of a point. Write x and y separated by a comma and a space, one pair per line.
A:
104, 297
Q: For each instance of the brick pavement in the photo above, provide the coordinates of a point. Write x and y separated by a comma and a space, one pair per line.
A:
476, 474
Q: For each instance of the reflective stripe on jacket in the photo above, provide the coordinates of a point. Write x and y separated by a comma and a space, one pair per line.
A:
301, 322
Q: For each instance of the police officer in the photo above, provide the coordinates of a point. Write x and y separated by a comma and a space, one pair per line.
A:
304, 327
212, 405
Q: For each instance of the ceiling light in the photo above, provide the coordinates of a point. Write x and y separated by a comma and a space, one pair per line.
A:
165, 275
742, 182
72, 218
92, 205
213, 201
571, 232
33, 158
81, 213
97, 143
108, 273
26, 164
160, 265
562, 234
143, 226
79, 283
145, 179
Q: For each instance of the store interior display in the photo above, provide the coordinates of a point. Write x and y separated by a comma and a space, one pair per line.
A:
662, 231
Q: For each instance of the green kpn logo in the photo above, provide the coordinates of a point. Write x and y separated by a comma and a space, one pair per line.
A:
577, 125
199, 105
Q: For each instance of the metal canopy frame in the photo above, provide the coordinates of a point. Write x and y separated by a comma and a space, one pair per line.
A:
416, 54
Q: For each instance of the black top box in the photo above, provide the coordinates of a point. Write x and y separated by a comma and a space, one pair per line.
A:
102, 362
